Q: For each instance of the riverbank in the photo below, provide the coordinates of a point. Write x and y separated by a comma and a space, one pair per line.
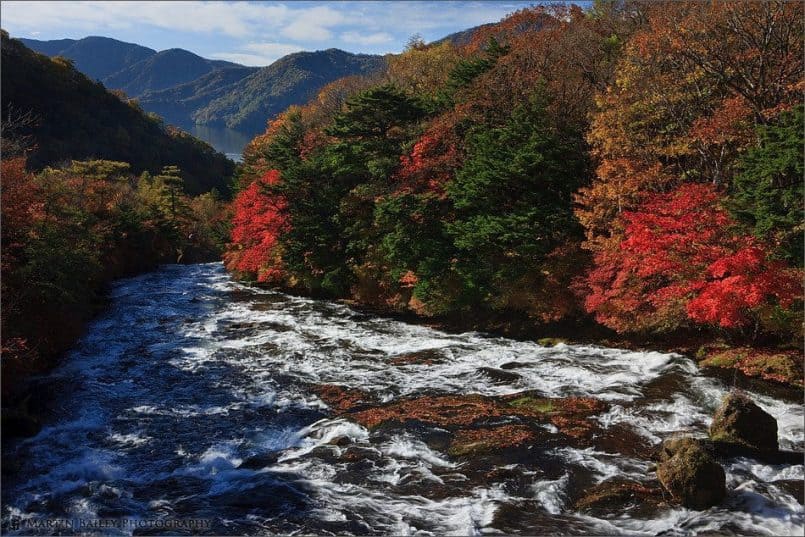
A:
59, 326
778, 366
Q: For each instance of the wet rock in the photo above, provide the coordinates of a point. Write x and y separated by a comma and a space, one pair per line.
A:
794, 487
515, 365
530, 404
624, 439
464, 410
575, 427
672, 446
499, 375
617, 495
690, 474
739, 420
341, 440
342, 399
473, 442
356, 453
424, 357
445, 410
18, 423
725, 451
728, 450
260, 461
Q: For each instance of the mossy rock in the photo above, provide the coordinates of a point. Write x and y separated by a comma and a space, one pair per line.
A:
777, 365
691, 475
706, 350
615, 495
672, 446
730, 358
484, 441
534, 404
739, 420
550, 341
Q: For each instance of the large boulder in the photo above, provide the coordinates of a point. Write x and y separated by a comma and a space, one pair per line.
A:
690, 474
739, 420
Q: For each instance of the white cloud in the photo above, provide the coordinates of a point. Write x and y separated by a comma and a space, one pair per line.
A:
258, 54
364, 24
367, 39
252, 60
313, 24
235, 19
273, 49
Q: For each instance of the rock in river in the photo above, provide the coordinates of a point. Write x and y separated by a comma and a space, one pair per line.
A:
690, 474
739, 420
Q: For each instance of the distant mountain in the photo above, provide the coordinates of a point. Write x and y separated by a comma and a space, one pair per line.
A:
77, 118
161, 71
96, 57
129, 67
178, 104
293, 79
185, 88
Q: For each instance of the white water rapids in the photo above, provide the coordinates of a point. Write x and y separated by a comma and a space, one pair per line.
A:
191, 398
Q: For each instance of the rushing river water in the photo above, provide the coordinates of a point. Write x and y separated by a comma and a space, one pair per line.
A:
191, 398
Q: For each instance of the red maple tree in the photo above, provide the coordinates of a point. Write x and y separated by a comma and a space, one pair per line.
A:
682, 259
259, 220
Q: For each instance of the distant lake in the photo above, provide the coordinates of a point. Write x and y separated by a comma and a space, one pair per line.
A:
228, 141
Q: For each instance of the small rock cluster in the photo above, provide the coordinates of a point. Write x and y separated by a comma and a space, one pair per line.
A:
688, 469
475, 427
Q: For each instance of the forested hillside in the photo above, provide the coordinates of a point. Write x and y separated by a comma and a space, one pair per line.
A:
638, 165
163, 70
70, 117
178, 103
95, 56
293, 79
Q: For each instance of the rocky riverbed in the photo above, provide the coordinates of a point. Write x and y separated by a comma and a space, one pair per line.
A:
197, 397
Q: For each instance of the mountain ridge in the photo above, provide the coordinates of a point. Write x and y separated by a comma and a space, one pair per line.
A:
185, 88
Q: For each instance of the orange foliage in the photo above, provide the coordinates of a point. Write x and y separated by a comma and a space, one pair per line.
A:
686, 94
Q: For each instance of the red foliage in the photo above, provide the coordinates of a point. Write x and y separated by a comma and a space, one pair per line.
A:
433, 159
682, 259
22, 206
740, 282
259, 220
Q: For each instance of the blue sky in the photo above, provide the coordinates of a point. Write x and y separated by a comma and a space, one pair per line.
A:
252, 33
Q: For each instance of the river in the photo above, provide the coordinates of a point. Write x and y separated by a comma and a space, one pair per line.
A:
193, 397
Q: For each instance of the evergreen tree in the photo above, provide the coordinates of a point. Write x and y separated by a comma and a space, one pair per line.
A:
512, 200
370, 137
768, 194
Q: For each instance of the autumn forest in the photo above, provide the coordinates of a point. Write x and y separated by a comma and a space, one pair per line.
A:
541, 276
637, 164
